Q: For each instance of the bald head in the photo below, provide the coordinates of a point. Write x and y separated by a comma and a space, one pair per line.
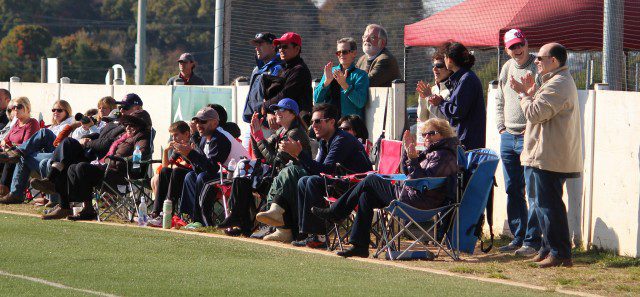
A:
551, 56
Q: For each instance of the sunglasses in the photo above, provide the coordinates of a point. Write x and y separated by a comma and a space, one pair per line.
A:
317, 121
342, 52
429, 133
346, 128
281, 109
57, 110
125, 107
285, 46
539, 58
516, 46
439, 65
198, 121
17, 107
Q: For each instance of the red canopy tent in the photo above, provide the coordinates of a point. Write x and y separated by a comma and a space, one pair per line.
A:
577, 24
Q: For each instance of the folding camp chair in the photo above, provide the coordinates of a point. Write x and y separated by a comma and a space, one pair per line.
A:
388, 163
458, 220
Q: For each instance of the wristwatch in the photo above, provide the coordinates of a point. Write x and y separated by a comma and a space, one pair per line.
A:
522, 95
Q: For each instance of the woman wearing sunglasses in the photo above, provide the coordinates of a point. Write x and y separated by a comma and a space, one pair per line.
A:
33, 150
291, 128
425, 90
438, 160
344, 85
355, 126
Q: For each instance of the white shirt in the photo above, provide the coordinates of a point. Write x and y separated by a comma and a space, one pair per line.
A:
237, 150
81, 132
56, 129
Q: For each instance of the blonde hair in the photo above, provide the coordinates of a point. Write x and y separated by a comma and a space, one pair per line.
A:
25, 102
442, 126
63, 105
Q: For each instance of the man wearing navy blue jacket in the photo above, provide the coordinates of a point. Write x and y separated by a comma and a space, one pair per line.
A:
336, 147
213, 149
267, 63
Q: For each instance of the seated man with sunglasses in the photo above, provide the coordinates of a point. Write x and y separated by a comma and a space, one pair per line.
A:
296, 77
336, 147
344, 85
440, 87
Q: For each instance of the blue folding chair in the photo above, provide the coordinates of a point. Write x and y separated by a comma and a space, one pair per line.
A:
478, 168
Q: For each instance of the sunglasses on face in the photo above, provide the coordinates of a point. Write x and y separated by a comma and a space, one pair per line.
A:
281, 109
516, 46
342, 52
17, 107
124, 107
60, 110
346, 128
317, 121
429, 133
439, 65
539, 58
285, 46
198, 121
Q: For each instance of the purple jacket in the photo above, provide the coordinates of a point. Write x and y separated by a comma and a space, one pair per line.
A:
438, 160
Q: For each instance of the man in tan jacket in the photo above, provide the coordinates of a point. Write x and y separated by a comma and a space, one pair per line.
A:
552, 148
377, 61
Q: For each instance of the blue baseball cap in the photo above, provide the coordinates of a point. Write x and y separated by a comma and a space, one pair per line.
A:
287, 103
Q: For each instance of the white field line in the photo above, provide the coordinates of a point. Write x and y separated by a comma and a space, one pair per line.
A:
331, 254
55, 285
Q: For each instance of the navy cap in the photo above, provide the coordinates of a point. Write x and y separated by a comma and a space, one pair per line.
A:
287, 103
130, 99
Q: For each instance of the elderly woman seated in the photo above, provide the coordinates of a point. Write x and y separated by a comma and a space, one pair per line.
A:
438, 160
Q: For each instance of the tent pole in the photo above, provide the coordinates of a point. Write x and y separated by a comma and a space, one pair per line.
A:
499, 57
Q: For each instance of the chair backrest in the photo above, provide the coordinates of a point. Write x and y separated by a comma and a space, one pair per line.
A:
390, 156
481, 164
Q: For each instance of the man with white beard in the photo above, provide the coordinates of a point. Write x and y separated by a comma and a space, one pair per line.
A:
377, 61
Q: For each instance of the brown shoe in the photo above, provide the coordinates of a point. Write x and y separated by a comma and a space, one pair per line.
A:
4, 190
43, 185
552, 261
11, 199
58, 213
539, 257
10, 157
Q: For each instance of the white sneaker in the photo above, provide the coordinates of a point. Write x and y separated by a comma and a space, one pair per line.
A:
526, 251
281, 235
272, 217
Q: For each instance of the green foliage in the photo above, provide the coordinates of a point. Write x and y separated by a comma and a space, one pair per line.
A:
82, 59
21, 50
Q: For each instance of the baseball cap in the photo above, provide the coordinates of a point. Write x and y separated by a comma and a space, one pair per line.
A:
206, 114
512, 37
289, 37
186, 57
263, 37
130, 99
287, 103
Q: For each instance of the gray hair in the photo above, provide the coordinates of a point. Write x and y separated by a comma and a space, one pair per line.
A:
349, 40
382, 32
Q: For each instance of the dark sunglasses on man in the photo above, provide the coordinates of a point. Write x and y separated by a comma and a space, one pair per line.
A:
439, 65
342, 52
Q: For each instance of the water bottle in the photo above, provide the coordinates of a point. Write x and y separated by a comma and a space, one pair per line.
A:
142, 213
231, 168
167, 209
137, 156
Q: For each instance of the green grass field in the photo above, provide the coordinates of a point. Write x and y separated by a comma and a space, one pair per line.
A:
146, 262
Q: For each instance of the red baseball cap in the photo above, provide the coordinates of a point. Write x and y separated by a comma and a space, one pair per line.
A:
513, 36
289, 37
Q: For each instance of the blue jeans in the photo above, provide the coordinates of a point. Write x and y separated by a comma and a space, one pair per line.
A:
191, 203
311, 191
523, 222
36, 149
546, 188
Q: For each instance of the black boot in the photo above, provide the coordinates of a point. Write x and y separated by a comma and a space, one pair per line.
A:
354, 251
326, 214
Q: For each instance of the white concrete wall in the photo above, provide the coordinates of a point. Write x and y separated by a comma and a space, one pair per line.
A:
616, 173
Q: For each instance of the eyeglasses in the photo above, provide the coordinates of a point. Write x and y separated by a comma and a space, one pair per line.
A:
317, 121
57, 110
342, 52
346, 128
369, 37
539, 58
199, 121
281, 109
430, 133
516, 46
125, 107
17, 107
439, 65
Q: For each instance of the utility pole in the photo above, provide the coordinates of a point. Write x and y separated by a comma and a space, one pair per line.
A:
218, 46
613, 58
141, 44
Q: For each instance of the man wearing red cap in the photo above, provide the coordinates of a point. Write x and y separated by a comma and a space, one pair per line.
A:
511, 123
296, 83
187, 65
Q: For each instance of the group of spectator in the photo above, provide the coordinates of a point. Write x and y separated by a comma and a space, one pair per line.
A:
297, 133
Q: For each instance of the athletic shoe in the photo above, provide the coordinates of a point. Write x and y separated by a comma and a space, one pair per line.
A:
155, 222
526, 251
263, 231
510, 248
312, 241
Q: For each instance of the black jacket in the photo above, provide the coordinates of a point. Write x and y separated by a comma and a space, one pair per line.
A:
296, 85
99, 147
219, 149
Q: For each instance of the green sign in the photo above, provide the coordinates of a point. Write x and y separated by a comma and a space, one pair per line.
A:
187, 100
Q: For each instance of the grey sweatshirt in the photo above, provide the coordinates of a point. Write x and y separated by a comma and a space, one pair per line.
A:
509, 115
